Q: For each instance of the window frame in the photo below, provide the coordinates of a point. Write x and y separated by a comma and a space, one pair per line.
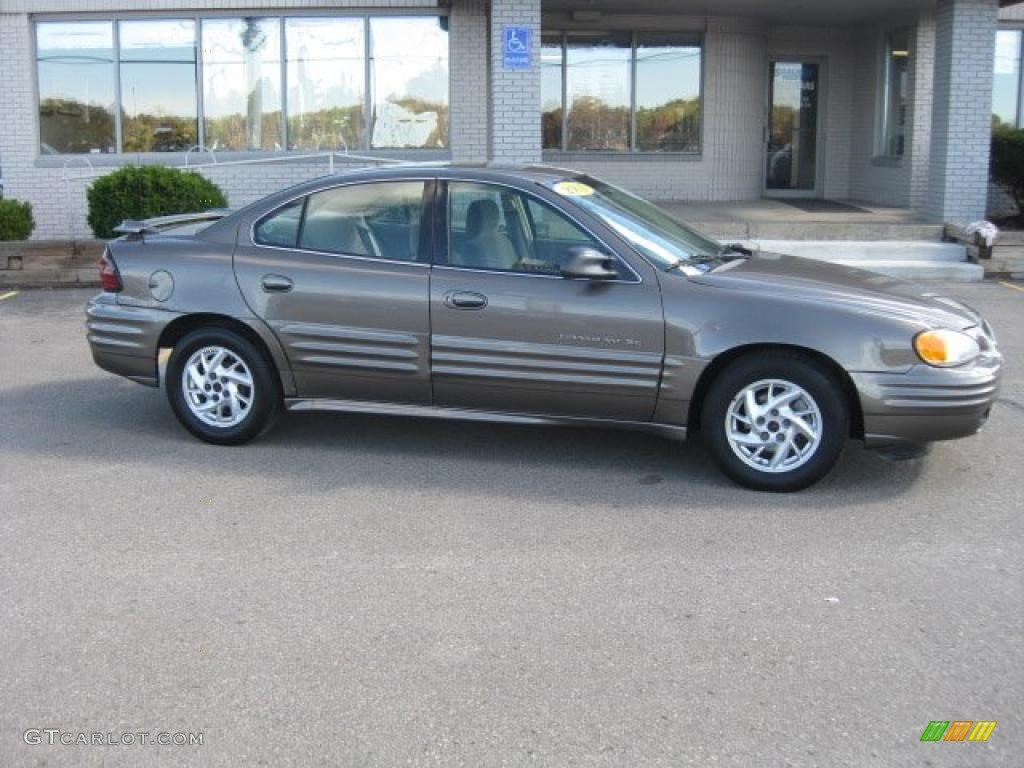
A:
632, 153
119, 156
427, 240
442, 239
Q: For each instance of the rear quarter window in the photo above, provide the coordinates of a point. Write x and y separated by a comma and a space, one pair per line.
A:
280, 228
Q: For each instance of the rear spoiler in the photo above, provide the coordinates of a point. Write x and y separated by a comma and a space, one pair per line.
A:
141, 228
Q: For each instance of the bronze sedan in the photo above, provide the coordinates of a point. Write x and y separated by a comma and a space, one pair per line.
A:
533, 295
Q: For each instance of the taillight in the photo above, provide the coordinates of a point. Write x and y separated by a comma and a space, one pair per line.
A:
110, 278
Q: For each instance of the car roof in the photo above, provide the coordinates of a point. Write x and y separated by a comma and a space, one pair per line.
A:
544, 174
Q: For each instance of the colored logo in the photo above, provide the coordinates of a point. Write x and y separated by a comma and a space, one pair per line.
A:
958, 730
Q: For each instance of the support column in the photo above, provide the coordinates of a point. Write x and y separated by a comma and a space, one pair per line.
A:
470, 97
965, 34
515, 135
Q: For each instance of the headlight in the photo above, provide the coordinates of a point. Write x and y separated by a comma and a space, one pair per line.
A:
945, 349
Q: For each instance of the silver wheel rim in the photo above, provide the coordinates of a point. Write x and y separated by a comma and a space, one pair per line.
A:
773, 425
217, 386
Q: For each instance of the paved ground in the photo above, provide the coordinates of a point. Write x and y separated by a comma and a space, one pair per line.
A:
374, 592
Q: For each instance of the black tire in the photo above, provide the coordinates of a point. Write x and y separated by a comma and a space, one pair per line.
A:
817, 381
265, 403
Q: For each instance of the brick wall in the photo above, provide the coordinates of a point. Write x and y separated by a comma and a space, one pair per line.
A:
469, 81
497, 116
57, 194
514, 93
961, 110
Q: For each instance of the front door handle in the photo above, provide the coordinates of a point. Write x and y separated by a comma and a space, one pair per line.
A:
465, 300
276, 284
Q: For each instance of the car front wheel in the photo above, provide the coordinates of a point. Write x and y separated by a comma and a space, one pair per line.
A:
776, 421
221, 388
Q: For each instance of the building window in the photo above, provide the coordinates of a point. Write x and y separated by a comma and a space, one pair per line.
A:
1006, 79
551, 90
76, 87
242, 84
897, 91
621, 92
158, 85
326, 82
409, 78
265, 84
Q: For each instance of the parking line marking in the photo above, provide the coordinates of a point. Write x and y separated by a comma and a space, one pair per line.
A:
1001, 282
8, 295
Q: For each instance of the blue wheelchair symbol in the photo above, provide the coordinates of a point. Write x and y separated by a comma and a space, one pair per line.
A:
518, 47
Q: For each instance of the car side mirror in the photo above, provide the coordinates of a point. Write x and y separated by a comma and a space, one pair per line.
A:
585, 263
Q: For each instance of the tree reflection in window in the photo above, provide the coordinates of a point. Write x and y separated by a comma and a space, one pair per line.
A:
76, 87
158, 85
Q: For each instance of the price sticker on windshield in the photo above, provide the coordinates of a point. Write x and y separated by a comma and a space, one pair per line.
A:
573, 189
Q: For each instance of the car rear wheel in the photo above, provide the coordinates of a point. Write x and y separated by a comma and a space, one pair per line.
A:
221, 387
776, 421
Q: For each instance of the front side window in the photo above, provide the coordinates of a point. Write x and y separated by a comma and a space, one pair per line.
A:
1006, 81
158, 85
242, 83
621, 91
409, 76
498, 228
377, 220
75, 63
897, 91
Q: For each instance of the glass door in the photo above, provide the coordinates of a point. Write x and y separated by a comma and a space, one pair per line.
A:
791, 157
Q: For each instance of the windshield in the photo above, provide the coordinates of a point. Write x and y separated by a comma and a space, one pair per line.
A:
646, 227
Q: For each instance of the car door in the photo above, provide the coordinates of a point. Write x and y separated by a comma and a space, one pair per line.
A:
342, 277
510, 334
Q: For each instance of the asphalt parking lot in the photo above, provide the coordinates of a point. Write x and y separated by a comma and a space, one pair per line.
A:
362, 591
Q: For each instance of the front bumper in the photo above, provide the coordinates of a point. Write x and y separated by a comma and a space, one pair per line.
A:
926, 404
124, 339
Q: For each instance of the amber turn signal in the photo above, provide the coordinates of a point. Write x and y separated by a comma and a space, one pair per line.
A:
943, 348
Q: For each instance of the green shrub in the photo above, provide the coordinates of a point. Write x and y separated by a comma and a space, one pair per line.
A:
16, 222
1007, 167
135, 192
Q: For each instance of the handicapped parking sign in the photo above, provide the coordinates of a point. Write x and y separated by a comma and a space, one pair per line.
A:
518, 47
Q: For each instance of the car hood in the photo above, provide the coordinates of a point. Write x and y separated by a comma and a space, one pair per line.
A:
858, 289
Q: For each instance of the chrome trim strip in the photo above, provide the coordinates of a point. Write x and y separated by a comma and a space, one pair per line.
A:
672, 431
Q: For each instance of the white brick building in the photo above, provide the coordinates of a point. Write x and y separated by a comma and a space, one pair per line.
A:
885, 101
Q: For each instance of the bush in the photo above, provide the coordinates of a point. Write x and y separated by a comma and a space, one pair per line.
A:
16, 222
1008, 163
135, 192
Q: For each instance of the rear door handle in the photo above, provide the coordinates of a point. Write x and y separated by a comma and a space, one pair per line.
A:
465, 300
276, 284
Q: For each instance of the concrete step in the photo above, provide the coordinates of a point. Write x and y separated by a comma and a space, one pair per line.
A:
870, 250
917, 269
860, 231
908, 260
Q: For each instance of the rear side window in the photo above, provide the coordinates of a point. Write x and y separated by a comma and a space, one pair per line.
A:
281, 228
378, 220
